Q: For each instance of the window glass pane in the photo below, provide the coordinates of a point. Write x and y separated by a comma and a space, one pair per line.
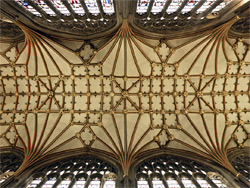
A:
188, 183
92, 6
219, 183
206, 5
174, 5
221, 6
28, 7
190, 5
2, 180
157, 184
142, 184
108, 6
79, 184
109, 184
142, 6
60, 6
64, 184
34, 183
76, 6
49, 183
45, 7
158, 5
173, 184
203, 183
94, 184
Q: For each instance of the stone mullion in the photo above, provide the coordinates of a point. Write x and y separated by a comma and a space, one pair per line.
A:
165, 182
150, 184
67, 5
197, 7
209, 10
211, 182
54, 9
38, 9
99, 4
178, 179
178, 11
164, 10
149, 8
86, 10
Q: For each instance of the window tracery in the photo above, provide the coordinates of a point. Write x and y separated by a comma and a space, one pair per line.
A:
70, 16
242, 164
9, 163
76, 173
162, 16
76, 5
158, 5
175, 172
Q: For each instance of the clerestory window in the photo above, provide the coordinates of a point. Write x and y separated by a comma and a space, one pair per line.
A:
175, 172
76, 173
9, 163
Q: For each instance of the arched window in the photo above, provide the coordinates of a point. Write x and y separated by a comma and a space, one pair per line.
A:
109, 180
80, 181
64, 7
176, 172
159, 5
142, 180
9, 163
242, 164
77, 173
186, 179
95, 182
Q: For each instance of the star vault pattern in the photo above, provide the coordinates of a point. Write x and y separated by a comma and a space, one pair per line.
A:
126, 95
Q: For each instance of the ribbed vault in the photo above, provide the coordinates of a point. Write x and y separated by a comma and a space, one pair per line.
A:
126, 95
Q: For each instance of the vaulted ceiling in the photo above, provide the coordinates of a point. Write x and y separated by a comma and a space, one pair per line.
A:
126, 94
